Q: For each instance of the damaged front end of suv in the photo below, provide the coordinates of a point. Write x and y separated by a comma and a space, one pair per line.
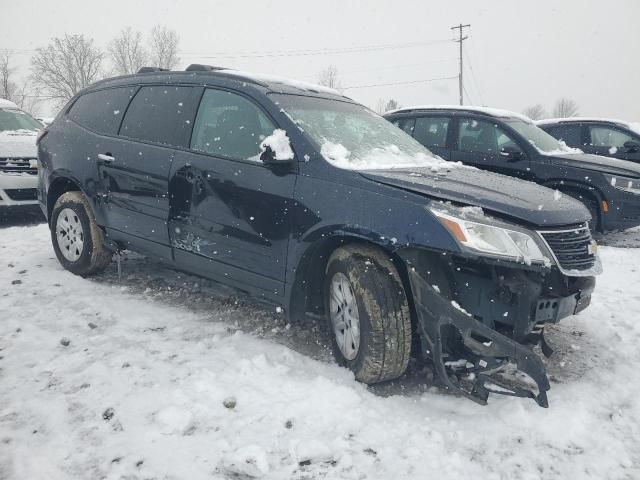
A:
482, 306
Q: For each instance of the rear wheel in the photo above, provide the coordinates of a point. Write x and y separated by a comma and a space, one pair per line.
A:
368, 314
76, 238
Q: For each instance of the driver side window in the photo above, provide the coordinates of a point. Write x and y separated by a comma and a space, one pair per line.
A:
608, 137
229, 125
481, 136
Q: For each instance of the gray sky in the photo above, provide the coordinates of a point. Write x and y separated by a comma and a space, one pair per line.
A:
520, 52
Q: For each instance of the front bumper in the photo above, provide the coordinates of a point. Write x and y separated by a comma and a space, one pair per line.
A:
489, 351
623, 211
18, 189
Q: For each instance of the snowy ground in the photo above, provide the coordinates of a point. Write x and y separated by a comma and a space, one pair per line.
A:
127, 380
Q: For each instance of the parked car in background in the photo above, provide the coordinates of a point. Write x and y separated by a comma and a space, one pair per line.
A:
306, 199
18, 157
509, 143
610, 138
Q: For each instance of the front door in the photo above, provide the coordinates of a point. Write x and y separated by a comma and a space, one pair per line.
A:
230, 214
484, 144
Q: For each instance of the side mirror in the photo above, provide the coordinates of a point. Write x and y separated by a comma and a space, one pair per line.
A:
632, 146
512, 154
268, 157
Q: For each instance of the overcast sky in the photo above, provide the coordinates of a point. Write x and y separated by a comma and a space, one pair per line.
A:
518, 53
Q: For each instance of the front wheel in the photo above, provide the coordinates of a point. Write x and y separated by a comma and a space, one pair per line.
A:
76, 238
368, 314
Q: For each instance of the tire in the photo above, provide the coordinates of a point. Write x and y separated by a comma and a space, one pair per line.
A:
382, 317
591, 205
76, 238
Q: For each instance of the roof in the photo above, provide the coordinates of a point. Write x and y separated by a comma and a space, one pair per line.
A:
7, 104
635, 126
492, 112
271, 82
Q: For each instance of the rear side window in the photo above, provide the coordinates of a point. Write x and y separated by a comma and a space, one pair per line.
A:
102, 111
155, 114
569, 134
229, 125
431, 131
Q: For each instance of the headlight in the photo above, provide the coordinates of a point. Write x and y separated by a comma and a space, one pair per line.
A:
631, 185
482, 237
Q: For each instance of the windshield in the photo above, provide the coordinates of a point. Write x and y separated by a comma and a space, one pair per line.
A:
12, 119
540, 139
352, 137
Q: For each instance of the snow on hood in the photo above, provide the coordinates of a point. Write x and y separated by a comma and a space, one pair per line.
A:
389, 157
18, 143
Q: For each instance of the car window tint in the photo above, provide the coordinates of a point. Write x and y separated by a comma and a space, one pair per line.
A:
102, 111
608, 137
431, 131
405, 124
155, 113
480, 136
569, 134
229, 125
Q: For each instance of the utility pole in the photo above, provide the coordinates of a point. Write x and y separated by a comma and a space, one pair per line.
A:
460, 40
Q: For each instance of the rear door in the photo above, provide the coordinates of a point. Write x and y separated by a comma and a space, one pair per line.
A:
134, 169
607, 140
231, 216
483, 143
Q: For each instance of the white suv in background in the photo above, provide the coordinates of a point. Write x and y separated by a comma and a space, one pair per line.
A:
18, 156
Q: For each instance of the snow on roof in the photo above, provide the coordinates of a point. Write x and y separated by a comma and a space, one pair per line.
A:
494, 112
7, 104
267, 78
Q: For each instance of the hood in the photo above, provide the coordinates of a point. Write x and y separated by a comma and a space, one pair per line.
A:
18, 143
502, 195
596, 163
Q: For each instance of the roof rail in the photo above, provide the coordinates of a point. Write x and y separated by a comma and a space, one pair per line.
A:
197, 67
152, 69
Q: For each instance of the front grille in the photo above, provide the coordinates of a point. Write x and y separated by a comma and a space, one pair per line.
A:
18, 165
572, 248
22, 194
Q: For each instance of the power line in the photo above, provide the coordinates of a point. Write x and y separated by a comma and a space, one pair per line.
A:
401, 83
313, 52
473, 76
460, 40
395, 67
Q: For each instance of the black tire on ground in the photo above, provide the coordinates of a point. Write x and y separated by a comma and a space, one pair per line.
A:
592, 206
384, 318
93, 258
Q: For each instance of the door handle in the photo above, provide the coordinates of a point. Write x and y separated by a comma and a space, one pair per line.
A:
105, 157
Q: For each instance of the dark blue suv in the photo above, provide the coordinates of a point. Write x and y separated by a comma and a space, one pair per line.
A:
511, 144
308, 200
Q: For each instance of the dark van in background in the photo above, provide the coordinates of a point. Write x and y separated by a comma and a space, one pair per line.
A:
308, 200
609, 138
511, 144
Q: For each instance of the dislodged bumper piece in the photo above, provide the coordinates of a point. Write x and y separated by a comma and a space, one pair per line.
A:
489, 351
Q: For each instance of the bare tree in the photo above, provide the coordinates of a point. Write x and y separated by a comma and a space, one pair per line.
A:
22, 94
164, 47
66, 66
8, 87
392, 104
535, 112
127, 52
384, 105
565, 107
329, 78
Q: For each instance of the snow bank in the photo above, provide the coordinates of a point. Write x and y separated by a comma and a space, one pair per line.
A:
165, 367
